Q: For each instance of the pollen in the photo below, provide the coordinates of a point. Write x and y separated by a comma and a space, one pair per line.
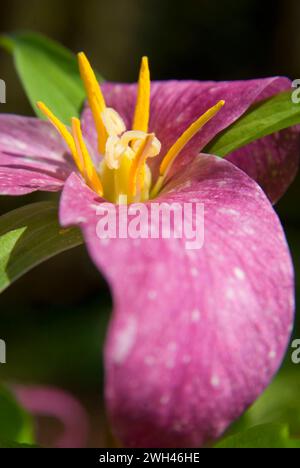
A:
118, 169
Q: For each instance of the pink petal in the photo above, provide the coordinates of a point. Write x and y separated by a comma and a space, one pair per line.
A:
175, 105
53, 402
32, 156
196, 336
272, 161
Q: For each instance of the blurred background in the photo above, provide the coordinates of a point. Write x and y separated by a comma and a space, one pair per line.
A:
54, 319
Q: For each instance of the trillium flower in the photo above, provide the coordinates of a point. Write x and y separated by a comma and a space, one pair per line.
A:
195, 336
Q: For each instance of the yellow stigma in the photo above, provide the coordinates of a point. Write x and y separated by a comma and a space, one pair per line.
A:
142, 110
89, 172
182, 142
118, 170
77, 147
62, 129
187, 136
95, 98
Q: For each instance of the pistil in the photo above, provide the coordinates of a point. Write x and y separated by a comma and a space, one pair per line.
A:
122, 172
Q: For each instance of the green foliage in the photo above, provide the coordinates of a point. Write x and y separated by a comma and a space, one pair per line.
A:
29, 236
15, 424
274, 419
264, 436
262, 119
14, 445
49, 73
279, 403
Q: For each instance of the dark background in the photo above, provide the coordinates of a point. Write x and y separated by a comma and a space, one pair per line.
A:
53, 319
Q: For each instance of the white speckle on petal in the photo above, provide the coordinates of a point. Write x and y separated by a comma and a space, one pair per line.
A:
105, 242
95, 207
20, 145
124, 341
195, 316
36, 182
186, 185
179, 119
194, 272
191, 254
222, 426
272, 354
292, 300
215, 381
178, 427
229, 211
249, 230
240, 274
230, 293
152, 295
82, 220
164, 400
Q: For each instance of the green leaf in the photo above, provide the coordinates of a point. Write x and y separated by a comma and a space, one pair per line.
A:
29, 236
14, 445
279, 403
263, 436
262, 119
49, 73
15, 423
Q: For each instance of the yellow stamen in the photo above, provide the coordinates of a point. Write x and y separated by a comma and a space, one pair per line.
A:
187, 136
89, 171
138, 163
182, 142
62, 129
124, 175
142, 111
95, 98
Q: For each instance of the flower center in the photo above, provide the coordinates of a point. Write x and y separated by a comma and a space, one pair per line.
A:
121, 173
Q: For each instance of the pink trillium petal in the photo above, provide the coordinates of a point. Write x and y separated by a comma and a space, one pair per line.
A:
196, 335
176, 104
56, 403
32, 156
272, 161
